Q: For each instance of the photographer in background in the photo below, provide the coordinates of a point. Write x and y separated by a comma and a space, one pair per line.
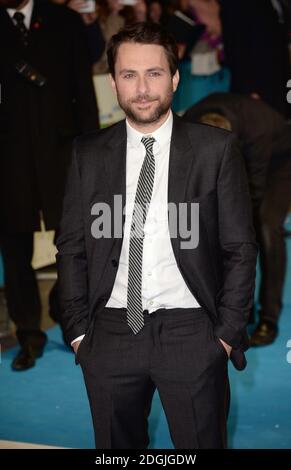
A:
89, 14
47, 99
87, 9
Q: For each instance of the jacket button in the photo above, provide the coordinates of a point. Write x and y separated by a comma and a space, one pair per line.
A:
114, 263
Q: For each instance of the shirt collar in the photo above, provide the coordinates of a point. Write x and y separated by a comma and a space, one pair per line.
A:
26, 10
162, 135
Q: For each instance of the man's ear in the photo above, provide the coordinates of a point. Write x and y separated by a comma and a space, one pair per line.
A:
175, 80
112, 82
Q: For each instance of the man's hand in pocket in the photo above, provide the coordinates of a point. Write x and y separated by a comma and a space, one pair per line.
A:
76, 345
226, 346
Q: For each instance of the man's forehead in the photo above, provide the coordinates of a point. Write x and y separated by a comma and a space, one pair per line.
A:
141, 56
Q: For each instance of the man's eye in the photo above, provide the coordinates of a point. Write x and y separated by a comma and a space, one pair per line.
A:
128, 75
155, 74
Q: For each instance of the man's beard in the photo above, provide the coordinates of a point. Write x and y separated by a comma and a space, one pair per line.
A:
137, 116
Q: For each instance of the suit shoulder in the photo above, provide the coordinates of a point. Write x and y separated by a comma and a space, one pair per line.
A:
211, 144
99, 138
206, 133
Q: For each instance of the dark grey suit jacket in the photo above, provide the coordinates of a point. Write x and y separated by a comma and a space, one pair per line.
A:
205, 167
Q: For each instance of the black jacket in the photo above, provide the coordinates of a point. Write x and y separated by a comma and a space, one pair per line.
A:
37, 125
205, 167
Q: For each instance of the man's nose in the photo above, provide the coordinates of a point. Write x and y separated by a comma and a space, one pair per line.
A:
142, 85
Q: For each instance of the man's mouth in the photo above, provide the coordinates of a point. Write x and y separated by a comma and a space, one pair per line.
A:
143, 103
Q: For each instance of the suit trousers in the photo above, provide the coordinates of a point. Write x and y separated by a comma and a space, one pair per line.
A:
176, 353
22, 294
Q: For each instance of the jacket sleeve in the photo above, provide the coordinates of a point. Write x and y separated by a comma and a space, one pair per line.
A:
71, 257
238, 247
257, 155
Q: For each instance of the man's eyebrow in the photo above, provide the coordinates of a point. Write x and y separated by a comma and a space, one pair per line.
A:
126, 71
156, 69
152, 69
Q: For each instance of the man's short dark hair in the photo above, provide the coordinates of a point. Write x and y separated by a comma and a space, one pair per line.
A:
143, 33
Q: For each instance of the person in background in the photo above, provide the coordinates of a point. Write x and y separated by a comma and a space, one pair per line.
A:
156, 11
134, 11
89, 14
87, 9
197, 29
207, 13
255, 37
140, 11
47, 100
110, 20
265, 139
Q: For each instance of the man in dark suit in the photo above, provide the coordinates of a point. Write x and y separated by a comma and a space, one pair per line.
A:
146, 304
255, 37
47, 98
265, 139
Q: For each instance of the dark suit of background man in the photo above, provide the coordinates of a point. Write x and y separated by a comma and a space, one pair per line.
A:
265, 138
37, 125
154, 313
255, 37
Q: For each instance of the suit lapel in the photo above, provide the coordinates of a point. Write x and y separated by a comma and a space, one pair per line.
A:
8, 30
115, 159
179, 167
37, 24
182, 161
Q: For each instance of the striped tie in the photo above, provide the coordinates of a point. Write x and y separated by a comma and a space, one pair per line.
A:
141, 204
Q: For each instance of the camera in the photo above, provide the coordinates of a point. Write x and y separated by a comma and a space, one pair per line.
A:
30, 73
89, 6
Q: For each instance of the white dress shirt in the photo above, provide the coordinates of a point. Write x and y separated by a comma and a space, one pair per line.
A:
26, 11
162, 283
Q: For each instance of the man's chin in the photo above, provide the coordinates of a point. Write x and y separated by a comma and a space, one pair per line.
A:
145, 119
146, 116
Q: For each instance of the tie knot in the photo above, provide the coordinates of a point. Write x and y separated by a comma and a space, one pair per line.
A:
19, 17
148, 143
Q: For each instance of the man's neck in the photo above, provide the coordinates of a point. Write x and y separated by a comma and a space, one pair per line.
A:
151, 127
